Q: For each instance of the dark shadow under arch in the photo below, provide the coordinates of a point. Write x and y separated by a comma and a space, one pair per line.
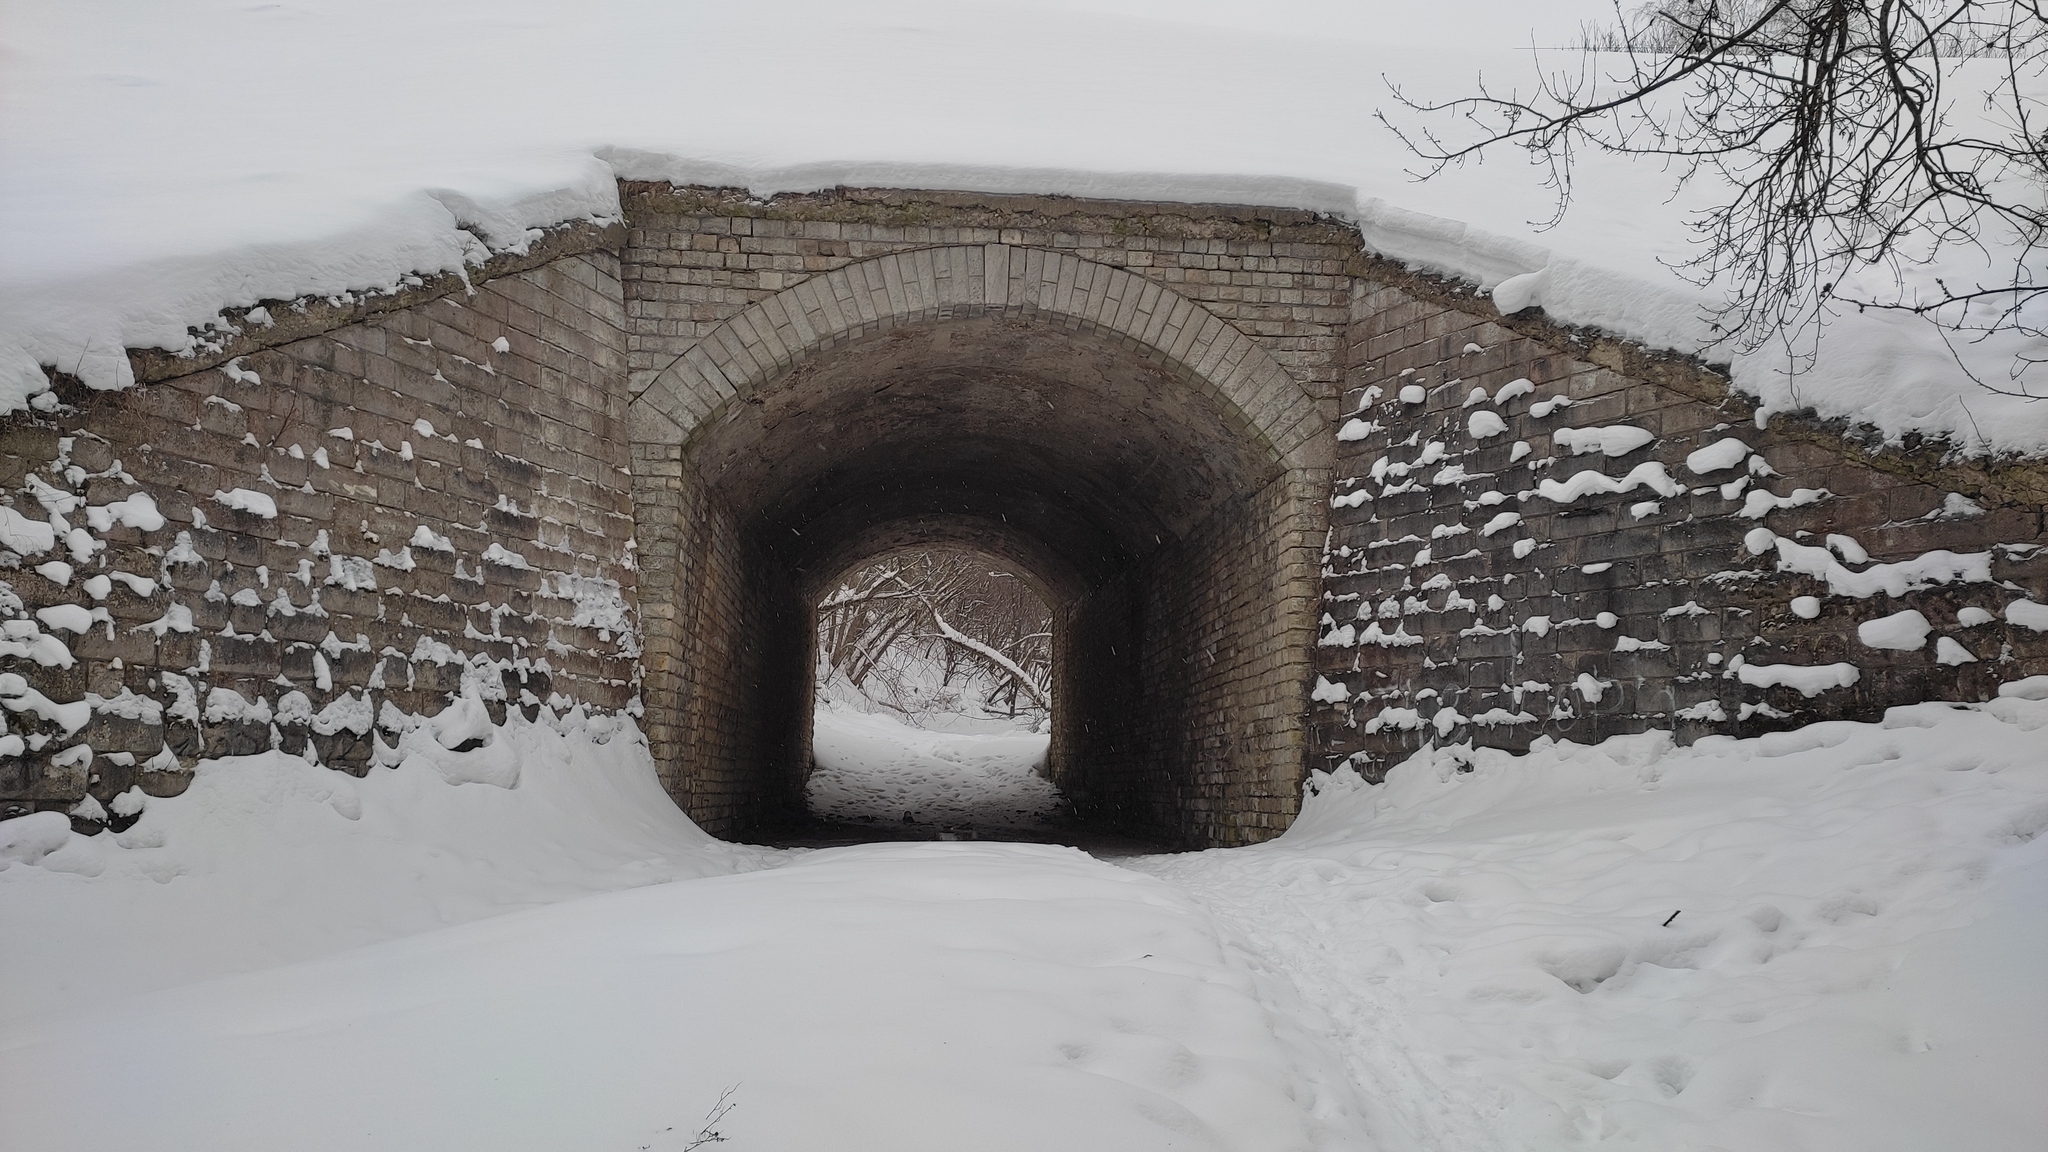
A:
1173, 534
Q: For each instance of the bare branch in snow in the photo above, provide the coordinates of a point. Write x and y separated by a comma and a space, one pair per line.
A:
1837, 137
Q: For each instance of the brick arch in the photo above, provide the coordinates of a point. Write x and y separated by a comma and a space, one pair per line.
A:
1170, 494
772, 336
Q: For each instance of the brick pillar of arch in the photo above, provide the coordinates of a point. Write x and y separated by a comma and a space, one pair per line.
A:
1188, 670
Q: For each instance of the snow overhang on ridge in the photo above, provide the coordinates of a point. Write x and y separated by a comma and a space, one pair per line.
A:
84, 325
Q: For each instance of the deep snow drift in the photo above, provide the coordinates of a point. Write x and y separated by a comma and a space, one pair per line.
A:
1831, 938
361, 142
872, 767
1480, 954
899, 997
268, 859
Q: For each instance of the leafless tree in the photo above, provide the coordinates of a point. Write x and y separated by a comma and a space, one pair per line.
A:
1847, 134
946, 609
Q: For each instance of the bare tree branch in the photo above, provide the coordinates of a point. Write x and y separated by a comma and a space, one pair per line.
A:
1833, 136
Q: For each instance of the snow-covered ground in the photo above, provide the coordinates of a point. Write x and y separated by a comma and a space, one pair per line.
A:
1831, 938
1480, 954
159, 162
873, 767
268, 860
892, 997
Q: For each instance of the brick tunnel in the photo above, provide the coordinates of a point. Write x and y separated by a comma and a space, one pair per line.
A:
1157, 474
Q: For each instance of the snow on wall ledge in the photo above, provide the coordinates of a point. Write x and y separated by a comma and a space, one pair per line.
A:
1889, 373
312, 546
1524, 542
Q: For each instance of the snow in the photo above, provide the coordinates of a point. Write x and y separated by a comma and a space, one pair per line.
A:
1893, 579
947, 996
1649, 474
1904, 631
17, 696
872, 767
1853, 964
130, 803
1808, 679
1148, 105
21, 534
1719, 456
1519, 386
1356, 429
1760, 503
1484, 424
1948, 652
245, 500
1821, 940
2027, 614
1613, 440
1847, 548
136, 510
499, 554
68, 617
267, 860
28, 839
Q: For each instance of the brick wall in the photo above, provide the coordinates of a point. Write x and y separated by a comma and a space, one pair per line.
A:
731, 714
1187, 676
589, 481
1184, 663
432, 495
695, 257
1464, 604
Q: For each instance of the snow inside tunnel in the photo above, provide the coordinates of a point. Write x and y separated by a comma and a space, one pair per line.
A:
932, 702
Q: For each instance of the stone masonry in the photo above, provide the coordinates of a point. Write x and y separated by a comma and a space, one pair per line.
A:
1166, 474
1481, 585
1295, 508
319, 536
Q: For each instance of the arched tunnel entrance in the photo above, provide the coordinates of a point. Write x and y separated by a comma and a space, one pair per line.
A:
932, 708
1151, 468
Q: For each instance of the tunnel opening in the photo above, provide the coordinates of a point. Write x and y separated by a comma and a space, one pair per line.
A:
1158, 483
932, 705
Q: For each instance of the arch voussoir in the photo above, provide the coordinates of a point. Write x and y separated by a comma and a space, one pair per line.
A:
866, 297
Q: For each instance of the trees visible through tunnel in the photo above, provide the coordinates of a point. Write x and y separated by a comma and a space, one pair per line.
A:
933, 695
933, 632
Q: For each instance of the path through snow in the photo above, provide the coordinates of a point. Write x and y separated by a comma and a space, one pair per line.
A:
898, 997
1488, 937
1480, 954
871, 768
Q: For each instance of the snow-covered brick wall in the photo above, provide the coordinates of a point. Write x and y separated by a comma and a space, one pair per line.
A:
299, 537
1564, 536
1248, 457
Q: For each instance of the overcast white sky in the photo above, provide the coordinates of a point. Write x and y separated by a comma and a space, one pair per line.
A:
154, 128
1495, 23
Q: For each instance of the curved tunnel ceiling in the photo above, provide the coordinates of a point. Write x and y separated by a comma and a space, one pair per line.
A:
1072, 453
